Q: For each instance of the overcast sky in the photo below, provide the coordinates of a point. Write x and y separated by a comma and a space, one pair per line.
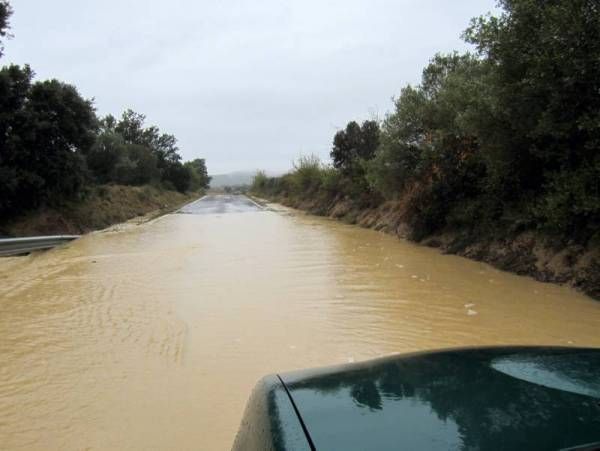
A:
244, 84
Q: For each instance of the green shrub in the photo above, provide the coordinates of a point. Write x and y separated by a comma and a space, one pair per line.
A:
306, 176
571, 204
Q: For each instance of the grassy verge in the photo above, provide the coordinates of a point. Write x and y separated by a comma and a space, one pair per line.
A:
104, 206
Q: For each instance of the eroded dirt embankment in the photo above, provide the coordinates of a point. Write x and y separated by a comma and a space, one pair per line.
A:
104, 206
526, 253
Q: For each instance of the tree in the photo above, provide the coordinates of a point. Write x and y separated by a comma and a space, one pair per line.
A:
199, 175
163, 145
60, 127
547, 83
108, 124
400, 154
354, 143
131, 127
45, 128
19, 183
104, 156
145, 165
15, 86
345, 146
5, 13
352, 148
546, 59
369, 140
429, 152
177, 175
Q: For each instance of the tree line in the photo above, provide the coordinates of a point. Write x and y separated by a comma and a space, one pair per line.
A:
502, 139
53, 146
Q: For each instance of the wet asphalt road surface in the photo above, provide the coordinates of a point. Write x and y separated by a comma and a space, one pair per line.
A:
219, 204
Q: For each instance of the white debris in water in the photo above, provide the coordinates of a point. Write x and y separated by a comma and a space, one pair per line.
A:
400, 266
471, 312
422, 280
414, 276
469, 305
350, 359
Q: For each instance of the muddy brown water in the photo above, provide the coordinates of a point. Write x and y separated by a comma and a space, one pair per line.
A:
152, 336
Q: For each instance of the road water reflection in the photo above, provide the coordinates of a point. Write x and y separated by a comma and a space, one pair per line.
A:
152, 336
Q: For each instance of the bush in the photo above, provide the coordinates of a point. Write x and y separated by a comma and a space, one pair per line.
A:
571, 204
331, 181
306, 176
259, 182
177, 175
103, 157
199, 175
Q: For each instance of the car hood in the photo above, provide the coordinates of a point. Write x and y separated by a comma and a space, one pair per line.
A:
467, 399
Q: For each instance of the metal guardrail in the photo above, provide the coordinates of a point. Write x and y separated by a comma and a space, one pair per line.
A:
17, 246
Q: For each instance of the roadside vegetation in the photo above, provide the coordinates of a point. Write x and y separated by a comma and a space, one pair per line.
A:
489, 146
55, 151
104, 206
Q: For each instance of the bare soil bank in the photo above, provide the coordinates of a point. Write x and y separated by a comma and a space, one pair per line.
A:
104, 206
526, 253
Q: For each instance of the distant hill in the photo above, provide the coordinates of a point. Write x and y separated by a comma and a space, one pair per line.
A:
232, 179
238, 178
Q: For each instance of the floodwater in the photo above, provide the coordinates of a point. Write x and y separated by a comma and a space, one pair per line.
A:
152, 336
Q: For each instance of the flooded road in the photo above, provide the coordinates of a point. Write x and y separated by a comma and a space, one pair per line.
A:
152, 336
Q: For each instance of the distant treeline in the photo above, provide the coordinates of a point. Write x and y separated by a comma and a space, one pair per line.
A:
504, 139
53, 146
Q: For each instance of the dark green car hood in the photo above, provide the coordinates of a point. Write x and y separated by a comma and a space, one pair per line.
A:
468, 399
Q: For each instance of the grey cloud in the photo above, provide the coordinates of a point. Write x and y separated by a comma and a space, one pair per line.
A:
245, 84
